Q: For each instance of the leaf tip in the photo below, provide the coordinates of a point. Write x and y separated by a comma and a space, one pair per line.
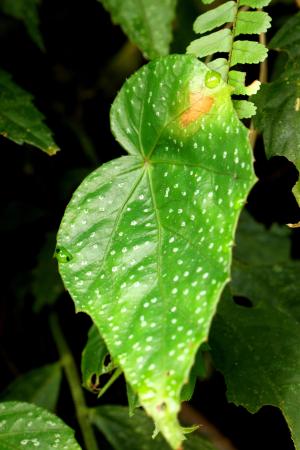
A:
52, 150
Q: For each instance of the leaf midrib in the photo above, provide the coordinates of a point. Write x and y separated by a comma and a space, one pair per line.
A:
159, 260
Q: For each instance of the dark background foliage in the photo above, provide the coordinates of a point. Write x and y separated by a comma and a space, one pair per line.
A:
74, 83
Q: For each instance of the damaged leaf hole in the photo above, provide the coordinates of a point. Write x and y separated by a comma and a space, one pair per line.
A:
242, 301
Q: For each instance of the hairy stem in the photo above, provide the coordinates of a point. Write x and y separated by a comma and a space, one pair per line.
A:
73, 379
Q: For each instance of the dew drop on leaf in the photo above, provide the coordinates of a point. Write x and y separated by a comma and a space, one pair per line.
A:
212, 79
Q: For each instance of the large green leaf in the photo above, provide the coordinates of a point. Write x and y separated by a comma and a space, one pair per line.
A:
145, 244
134, 433
260, 246
20, 121
288, 37
25, 426
279, 102
257, 348
147, 24
278, 117
39, 386
27, 11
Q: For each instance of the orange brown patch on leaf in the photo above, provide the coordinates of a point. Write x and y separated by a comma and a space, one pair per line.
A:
199, 105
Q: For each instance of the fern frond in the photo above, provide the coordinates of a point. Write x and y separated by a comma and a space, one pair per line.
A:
236, 22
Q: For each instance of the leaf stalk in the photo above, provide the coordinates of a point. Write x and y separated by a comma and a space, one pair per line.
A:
69, 367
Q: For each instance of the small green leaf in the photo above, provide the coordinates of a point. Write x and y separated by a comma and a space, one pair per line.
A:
219, 65
39, 386
198, 371
134, 433
288, 37
244, 108
278, 116
252, 22
20, 121
207, 2
296, 191
236, 79
150, 234
25, 426
247, 52
148, 25
133, 400
93, 360
220, 41
254, 3
215, 17
263, 364
46, 282
27, 11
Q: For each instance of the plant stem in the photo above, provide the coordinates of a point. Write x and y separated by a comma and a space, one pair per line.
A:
73, 379
263, 78
112, 379
233, 36
263, 68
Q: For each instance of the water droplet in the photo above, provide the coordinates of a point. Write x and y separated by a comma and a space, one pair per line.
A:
212, 79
